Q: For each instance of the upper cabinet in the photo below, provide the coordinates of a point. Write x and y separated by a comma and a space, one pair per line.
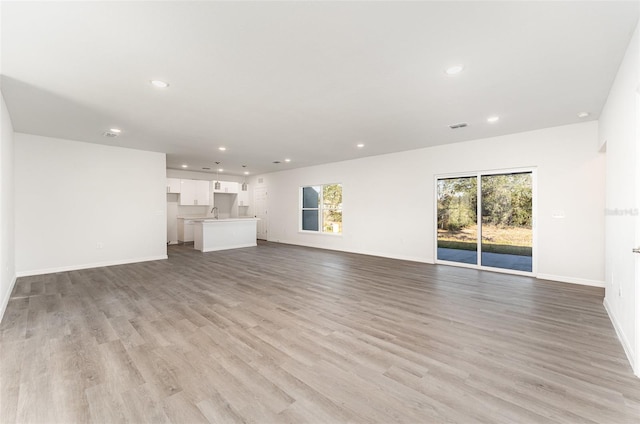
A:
173, 185
194, 193
226, 187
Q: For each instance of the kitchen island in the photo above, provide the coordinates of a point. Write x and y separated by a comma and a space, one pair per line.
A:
210, 234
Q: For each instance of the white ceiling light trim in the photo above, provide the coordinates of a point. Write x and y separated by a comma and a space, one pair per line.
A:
454, 70
159, 83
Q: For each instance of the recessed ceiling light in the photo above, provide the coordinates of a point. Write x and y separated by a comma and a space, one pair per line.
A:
455, 69
246, 172
184, 166
115, 130
220, 170
287, 160
493, 119
159, 84
583, 114
360, 145
222, 149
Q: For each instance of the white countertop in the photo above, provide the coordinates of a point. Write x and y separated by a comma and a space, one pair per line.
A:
208, 219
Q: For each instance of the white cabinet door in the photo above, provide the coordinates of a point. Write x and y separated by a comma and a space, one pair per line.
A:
173, 185
187, 192
243, 198
227, 187
185, 230
194, 192
188, 230
202, 195
230, 187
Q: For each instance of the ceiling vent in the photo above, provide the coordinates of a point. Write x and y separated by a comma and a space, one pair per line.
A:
109, 134
458, 125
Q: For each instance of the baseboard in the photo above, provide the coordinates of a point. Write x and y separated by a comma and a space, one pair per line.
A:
628, 350
357, 252
571, 280
87, 266
398, 257
7, 296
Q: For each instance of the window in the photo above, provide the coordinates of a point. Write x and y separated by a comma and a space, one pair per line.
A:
321, 209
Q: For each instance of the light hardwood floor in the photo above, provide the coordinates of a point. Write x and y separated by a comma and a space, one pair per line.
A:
285, 334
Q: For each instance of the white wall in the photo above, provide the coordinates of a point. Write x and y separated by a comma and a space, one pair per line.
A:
70, 196
7, 263
618, 129
195, 175
389, 200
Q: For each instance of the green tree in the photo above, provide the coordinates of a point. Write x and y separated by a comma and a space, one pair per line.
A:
457, 199
332, 206
507, 200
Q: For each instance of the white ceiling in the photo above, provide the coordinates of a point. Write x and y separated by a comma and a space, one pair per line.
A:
304, 80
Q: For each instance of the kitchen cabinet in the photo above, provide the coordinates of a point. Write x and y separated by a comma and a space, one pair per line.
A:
227, 187
185, 230
243, 198
194, 192
173, 185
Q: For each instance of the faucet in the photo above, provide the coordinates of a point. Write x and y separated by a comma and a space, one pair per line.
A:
214, 211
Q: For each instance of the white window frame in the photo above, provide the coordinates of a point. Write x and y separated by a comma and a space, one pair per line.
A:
320, 210
534, 229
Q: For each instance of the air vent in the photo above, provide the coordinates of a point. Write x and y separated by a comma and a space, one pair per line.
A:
458, 125
206, 168
276, 162
109, 134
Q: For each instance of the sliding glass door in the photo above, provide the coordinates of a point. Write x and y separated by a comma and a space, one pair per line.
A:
507, 216
486, 220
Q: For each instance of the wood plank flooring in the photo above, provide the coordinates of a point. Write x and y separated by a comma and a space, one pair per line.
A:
286, 334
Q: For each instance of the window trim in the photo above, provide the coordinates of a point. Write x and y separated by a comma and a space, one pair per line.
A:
534, 210
320, 210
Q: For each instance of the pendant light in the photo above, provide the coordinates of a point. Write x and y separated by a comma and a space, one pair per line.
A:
216, 186
244, 183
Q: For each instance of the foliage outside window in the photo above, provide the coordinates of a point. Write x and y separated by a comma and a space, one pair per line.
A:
322, 208
505, 224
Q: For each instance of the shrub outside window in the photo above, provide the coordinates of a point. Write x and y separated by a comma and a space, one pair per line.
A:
321, 209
